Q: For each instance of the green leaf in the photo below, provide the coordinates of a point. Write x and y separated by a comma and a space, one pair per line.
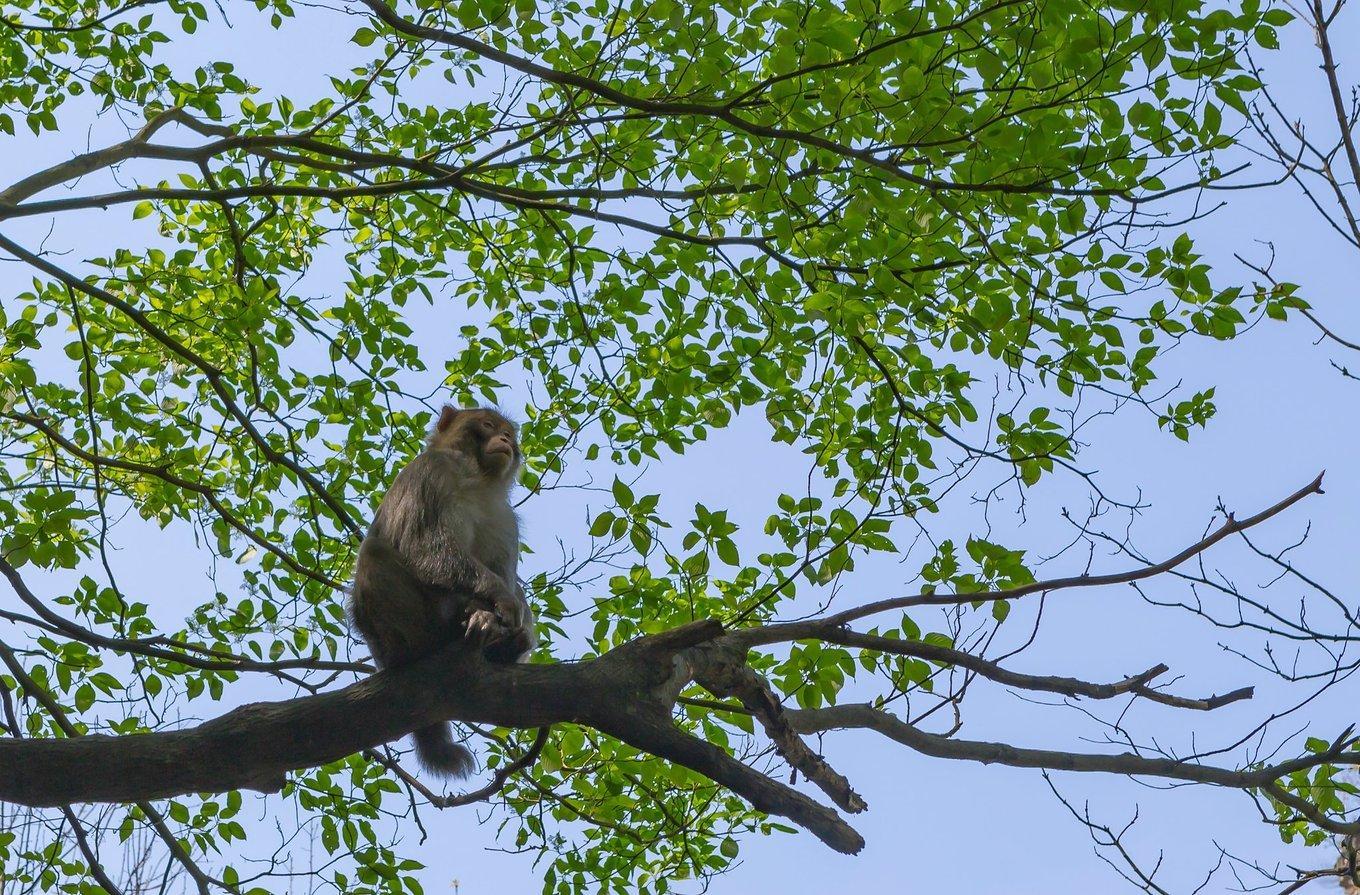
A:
601, 524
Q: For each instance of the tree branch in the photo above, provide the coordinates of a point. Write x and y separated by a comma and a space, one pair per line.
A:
726, 674
867, 717
1067, 686
211, 373
624, 693
783, 632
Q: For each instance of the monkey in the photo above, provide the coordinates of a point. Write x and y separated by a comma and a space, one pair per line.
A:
439, 563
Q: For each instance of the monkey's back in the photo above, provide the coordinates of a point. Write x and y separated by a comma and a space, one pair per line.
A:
392, 610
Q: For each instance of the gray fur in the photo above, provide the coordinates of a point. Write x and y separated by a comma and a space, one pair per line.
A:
440, 563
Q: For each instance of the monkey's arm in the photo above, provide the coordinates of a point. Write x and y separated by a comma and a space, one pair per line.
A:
444, 564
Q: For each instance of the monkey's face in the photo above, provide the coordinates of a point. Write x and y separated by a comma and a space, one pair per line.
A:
485, 436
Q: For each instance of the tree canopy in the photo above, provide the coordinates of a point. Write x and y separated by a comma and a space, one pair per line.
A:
919, 247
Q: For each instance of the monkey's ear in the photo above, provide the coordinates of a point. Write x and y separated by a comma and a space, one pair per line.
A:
446, 418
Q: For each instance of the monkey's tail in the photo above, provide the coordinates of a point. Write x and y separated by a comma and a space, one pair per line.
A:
439, 754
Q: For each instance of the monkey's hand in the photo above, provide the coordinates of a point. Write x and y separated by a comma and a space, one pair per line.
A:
502, 615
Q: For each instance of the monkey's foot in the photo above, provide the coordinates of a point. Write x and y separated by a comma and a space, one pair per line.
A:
486, 627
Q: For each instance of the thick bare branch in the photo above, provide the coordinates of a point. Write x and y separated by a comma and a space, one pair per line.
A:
869, 718
725, 673
99, 159
662, 738
254, 746
625, 693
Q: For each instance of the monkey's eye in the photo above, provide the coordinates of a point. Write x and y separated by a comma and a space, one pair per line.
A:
488, 426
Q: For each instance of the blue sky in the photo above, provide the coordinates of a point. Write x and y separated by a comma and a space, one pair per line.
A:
1284, 414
